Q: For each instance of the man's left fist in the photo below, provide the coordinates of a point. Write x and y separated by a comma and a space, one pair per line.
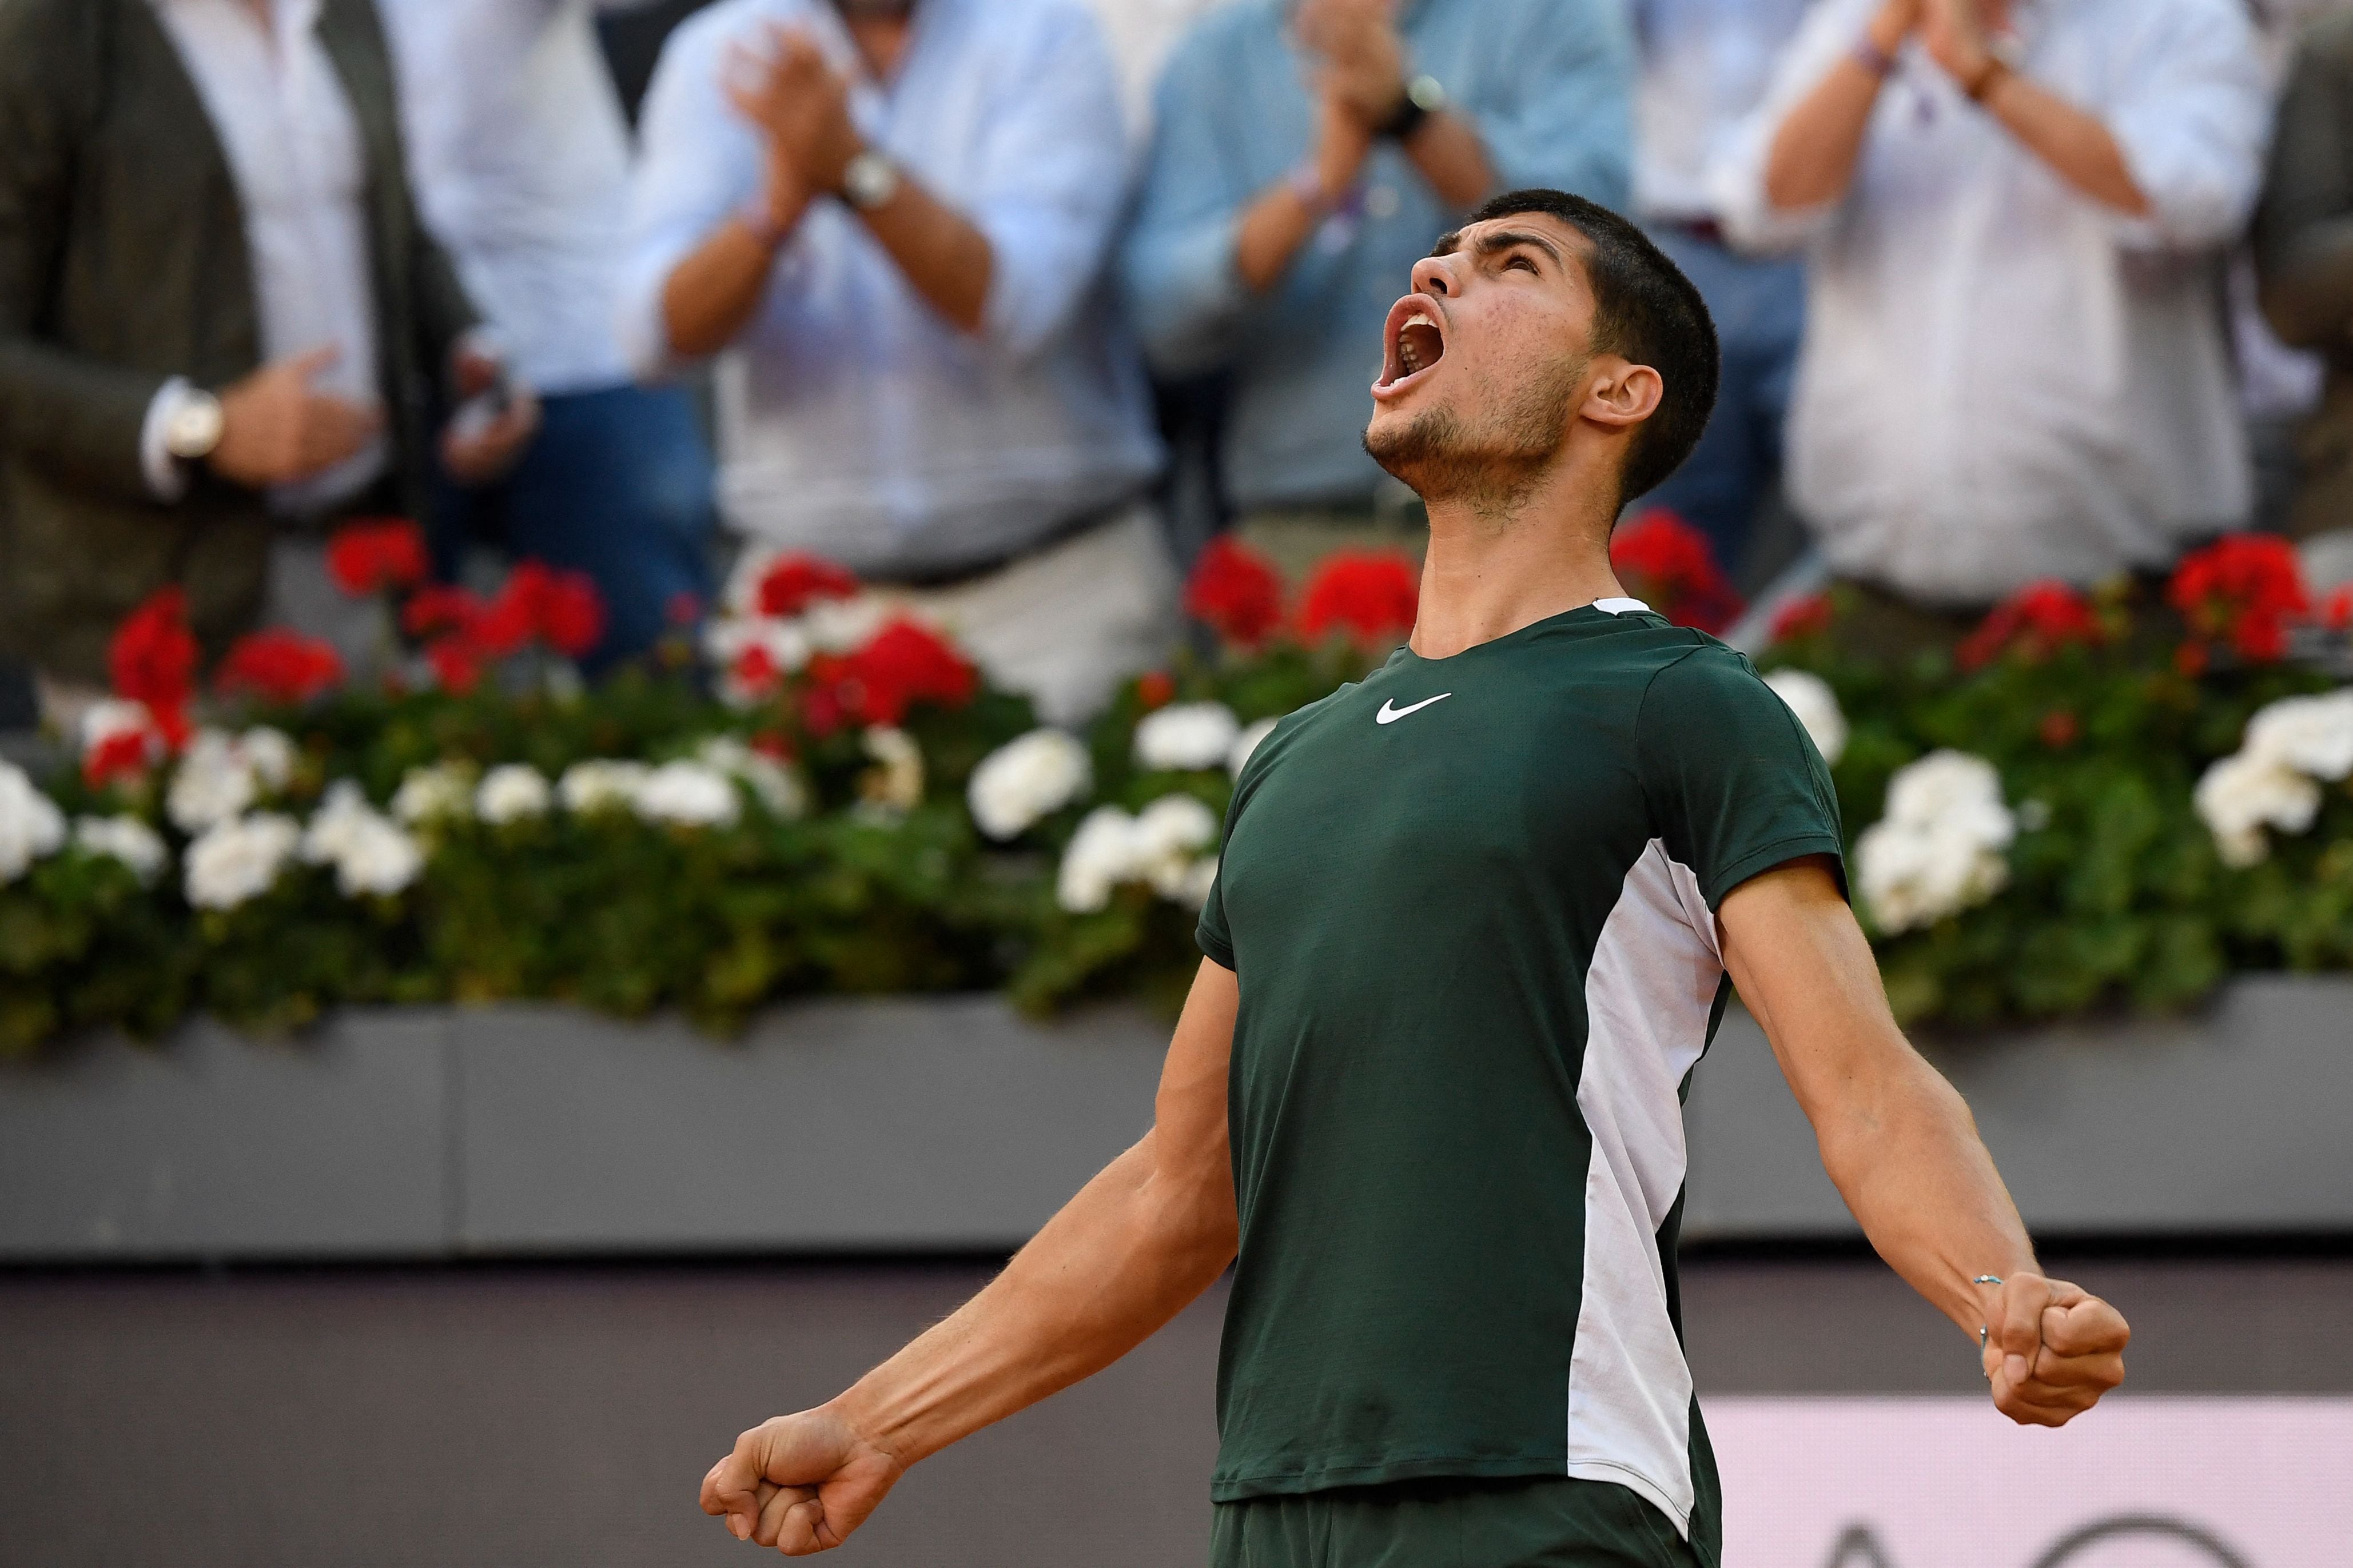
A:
2052, 1349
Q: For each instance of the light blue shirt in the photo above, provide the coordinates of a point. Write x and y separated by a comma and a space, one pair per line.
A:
1549, 85
1706, 66
854, 419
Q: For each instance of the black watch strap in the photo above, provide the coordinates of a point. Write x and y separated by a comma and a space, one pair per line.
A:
1422, 98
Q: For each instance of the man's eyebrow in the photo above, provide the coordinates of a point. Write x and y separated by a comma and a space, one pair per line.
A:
1503, 240
1446, 243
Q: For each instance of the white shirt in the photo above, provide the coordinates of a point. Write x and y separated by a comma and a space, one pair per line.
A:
2003, 380
520, 155
1705, 66
1141, 32
853, 419
294, 150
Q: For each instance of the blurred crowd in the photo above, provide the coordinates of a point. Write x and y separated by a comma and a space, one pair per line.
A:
1009, 305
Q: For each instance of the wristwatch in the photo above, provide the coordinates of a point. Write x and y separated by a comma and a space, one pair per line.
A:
1424, 96
870, 180
193, 425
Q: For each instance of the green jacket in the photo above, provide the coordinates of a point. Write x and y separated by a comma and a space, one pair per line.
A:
123, 263
2304, 257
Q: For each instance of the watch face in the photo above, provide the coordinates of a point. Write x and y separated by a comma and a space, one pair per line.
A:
870, 180
194, 428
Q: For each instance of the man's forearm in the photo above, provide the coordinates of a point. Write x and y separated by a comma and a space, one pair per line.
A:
1447, 150
712, 294
939, 250
2076, 146
1812, 158
1907, 1159
1124, 1256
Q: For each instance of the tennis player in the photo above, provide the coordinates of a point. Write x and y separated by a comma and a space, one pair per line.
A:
1470, 936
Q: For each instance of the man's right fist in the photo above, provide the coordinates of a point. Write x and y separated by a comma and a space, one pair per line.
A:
800, 1483
276, 430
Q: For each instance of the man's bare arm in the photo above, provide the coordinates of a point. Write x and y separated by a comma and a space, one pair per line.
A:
1904, 1151
1148, 1234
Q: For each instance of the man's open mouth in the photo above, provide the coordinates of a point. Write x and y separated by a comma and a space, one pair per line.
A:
1415, 342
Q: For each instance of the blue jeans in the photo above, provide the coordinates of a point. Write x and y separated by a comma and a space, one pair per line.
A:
1759, 305
617, 485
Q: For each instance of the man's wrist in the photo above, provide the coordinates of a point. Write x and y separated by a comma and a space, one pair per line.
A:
1422, 95
183, 426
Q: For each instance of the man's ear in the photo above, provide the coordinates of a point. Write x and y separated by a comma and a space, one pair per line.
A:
1623, 395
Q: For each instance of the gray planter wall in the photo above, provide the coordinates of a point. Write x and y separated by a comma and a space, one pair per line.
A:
919, 1125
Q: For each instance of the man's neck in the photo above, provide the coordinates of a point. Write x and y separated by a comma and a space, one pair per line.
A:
1487, 575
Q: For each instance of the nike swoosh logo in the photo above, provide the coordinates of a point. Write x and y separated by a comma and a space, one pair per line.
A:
1388, 715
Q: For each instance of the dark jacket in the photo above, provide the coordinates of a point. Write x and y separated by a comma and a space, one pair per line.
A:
122, 263
2304, 257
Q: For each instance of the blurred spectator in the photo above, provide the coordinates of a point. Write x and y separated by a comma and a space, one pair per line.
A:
899, 216
2015, 365
1303, 158
520, 157
220, 321
1706, 66
1141, 32
2304, 252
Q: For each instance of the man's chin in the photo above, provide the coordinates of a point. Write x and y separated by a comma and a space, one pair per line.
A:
1407, 443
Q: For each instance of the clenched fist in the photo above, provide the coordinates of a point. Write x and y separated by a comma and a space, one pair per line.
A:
800, 1483
2050, 1350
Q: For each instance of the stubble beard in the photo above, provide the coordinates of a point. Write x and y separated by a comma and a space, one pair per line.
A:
1442, 459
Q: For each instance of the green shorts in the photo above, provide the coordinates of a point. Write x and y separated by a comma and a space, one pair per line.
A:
1542, 1523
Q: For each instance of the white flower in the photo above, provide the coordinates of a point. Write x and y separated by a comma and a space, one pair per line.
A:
239, 859
379, 858
341, 811
1186, 736
694, 794
1170, 835
775, 787
841, 625
894, 785
269, 753
1161, 846
1938, 850
598, 785
1809, 697
1100, 857
725, 641
2243, 794
442, 790
30, 824
214, 783
115, 716
1248, 742
372, 854
2314, 735
123, 838
1028, 779
511, 792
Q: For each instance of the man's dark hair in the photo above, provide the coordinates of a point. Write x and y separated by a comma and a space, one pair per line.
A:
1647, 312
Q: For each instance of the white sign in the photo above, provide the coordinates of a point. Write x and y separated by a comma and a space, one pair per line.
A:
1949, 1483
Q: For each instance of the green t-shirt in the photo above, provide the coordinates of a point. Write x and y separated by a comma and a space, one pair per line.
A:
1471, 904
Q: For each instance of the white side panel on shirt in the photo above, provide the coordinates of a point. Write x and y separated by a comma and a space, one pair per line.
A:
1648, 994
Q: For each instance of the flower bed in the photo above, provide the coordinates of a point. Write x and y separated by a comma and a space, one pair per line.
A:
821, 795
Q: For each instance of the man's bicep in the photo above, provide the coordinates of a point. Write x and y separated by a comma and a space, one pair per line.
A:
1804, 968
1189, 1115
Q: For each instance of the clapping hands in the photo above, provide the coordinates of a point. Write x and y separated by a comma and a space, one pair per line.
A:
800, 105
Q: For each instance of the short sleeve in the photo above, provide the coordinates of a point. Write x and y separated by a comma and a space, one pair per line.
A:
1211, 932
1734, 786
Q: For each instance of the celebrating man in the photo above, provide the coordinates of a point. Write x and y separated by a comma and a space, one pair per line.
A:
1469, 936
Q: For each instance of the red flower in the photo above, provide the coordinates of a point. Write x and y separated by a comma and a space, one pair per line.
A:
683, 608
124, 754
774, 744
152, 659
2191, 658
2038, 620
457, 662
2337, 611
1369, 595
1155, 689
756, 673
2246, 588
796, 580
1669, 565
562, 609
2059, 729
1807, 617
902, 664
375, 556
281, 666
440, 609
1235, 592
